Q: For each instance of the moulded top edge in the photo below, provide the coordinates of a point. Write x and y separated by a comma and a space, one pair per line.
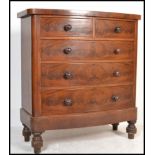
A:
29, 12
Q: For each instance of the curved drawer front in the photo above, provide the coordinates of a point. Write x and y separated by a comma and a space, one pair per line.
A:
85, 50
114, 29
61, 27
76, 74
66, 101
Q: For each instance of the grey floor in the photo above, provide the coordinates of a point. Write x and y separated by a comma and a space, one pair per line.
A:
99, 139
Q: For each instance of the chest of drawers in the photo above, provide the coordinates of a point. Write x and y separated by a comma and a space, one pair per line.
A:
78, 70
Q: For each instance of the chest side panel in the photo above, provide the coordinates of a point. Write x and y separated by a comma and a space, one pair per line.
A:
26, 64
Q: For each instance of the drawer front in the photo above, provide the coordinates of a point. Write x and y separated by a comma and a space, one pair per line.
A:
114, 29
61, 27
76, 74
66, 101
85, 50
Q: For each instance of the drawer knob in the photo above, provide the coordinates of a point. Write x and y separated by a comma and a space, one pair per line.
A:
67, 27
67, 102
116, 73
115, 98
67, 50
68, 75
117, 51
117, 29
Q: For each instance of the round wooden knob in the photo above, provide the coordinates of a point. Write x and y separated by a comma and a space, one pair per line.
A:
67, 102
115, 98
117, 51
68, 75
67, 27
67, 50
117, 29
116, 73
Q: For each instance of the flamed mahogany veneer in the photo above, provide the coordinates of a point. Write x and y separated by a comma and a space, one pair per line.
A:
78, 70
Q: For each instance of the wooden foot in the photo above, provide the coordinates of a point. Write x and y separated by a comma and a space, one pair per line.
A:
37, 142
115, 126
131, 129
26, 133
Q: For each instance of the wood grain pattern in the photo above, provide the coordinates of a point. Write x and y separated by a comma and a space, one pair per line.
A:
106, 29
86, 50
50, 27
86, 100
85, 74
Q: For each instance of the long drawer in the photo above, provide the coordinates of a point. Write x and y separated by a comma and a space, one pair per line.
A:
85, 50
80, 74
66, 101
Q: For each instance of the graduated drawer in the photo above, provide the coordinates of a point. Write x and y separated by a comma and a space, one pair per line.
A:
65, 26
85, 50
67, 101
76, 74
114, 29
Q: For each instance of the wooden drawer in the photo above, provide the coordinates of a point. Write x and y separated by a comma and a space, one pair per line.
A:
114, 29
66, 101
76, 74
61, 27
85, 50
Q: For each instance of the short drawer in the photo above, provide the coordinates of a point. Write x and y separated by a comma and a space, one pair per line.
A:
85, 50
67, 101
61, 27
114, 29
76, 74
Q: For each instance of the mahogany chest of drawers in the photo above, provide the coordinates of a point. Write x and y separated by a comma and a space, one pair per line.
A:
78, 70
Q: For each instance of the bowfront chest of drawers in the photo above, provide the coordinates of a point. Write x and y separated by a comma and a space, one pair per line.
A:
78, 70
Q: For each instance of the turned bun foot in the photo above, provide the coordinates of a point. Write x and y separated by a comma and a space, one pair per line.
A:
37, 142
131, 129
115, 126
26, 133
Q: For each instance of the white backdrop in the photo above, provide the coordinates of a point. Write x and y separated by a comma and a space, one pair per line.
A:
123, 7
